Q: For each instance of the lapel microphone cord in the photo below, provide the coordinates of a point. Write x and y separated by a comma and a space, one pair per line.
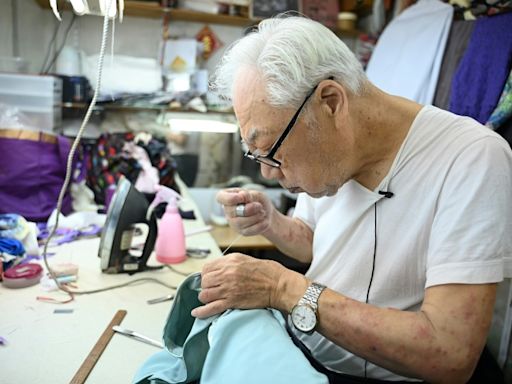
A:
387, 195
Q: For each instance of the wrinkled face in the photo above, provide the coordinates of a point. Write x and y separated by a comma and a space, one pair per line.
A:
312, 160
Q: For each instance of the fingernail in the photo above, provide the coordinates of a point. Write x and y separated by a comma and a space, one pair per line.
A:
193, 313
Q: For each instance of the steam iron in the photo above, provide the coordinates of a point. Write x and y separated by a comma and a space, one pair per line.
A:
127, 208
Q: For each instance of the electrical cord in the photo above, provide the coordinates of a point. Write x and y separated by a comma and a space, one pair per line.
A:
56, 56
67, 179
52, 41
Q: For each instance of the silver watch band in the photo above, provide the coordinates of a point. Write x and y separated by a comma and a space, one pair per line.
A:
312, 294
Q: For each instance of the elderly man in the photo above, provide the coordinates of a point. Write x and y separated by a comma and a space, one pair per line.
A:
404, 212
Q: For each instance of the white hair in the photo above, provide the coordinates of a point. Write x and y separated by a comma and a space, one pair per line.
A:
292, 54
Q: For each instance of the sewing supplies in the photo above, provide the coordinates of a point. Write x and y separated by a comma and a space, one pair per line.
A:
48, 283
198, 253
232, 243
91, 359
137, 336
197, 231
67, 235
13, 247
64, 273
63, 310
23, 275
65, 269
161, 299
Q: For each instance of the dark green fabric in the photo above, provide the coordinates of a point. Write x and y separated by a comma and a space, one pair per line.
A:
185, 339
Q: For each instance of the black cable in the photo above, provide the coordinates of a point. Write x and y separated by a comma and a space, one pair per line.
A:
373, 265
55, 57
52, 41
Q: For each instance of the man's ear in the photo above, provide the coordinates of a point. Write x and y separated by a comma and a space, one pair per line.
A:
333, 97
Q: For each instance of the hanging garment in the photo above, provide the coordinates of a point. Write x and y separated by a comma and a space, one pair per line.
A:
32, 171
483, 71
503, 111
458, 40
106, 161
408, 55
239, 346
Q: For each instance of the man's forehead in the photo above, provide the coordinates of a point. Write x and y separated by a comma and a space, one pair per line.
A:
251, 107
254, 133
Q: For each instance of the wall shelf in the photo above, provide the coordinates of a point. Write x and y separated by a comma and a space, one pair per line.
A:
152, 9
139, 108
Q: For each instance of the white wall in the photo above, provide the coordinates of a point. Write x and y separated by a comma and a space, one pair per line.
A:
139, 37
34, 31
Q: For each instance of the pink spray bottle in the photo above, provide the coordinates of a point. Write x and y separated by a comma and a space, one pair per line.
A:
170, 242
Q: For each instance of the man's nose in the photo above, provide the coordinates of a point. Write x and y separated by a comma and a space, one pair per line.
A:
269, 172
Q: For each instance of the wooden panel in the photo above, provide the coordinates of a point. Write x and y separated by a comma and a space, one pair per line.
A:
152, 9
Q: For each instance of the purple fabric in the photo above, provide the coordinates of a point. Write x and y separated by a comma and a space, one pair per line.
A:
31, 175
483, 71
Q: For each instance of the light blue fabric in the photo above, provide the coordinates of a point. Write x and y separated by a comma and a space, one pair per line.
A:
239, 346
253, 347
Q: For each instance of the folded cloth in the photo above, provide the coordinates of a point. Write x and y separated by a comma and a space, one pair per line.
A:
13, 226
239, 346
483, 71
12, 247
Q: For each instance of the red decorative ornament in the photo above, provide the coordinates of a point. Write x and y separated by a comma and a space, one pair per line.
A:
209, 40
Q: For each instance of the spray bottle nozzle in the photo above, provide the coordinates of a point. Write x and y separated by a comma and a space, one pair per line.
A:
164, 195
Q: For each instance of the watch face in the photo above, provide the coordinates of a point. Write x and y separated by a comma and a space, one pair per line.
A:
303, 318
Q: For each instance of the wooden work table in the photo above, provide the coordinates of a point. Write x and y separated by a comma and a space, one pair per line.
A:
48, 345
225, 235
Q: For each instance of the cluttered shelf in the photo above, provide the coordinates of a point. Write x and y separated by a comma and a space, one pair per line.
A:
140, 108
153, 9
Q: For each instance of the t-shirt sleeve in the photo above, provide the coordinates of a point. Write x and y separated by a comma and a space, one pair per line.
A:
304, 210
471, 237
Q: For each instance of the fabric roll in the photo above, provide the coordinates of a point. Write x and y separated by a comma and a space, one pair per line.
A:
408, 55
455, 48
483, 71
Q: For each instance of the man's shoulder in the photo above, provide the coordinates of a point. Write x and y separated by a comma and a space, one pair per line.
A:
447, 129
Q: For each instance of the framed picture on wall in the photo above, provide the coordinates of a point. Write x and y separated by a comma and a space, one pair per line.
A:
263, 9
323, 11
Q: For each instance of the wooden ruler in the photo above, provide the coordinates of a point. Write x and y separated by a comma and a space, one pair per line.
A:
90, 361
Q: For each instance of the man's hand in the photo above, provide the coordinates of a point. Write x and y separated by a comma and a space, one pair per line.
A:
258, 210
239, 281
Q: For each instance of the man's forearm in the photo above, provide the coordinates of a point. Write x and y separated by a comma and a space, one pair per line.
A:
439, 343
291, 236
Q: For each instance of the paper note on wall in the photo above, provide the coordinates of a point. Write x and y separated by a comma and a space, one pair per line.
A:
179, 55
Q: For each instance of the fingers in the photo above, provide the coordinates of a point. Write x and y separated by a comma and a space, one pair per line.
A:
233, 196
210, 309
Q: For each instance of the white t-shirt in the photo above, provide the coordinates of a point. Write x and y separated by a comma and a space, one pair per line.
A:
449, 221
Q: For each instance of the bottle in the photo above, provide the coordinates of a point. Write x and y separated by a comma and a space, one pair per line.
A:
170, 242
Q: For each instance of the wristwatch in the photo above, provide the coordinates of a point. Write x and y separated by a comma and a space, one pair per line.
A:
304, 313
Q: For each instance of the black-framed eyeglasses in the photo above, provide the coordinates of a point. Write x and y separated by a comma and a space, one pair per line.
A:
268, 159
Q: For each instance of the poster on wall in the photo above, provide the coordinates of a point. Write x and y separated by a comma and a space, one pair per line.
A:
263, 9
323, 11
